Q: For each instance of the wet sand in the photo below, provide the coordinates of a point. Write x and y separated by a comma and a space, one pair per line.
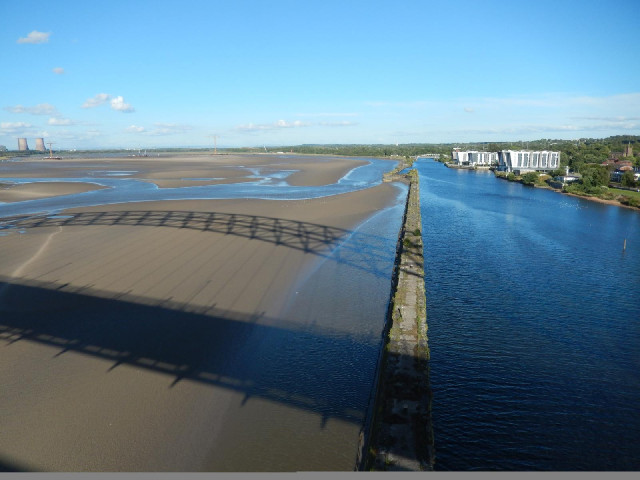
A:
124, 330
30, 191
169, 170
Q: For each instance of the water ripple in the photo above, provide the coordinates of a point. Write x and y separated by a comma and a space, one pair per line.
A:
533, 326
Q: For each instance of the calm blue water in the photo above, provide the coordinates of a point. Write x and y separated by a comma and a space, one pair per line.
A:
534, 325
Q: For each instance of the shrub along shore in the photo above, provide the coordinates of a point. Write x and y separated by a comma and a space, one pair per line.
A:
586, 188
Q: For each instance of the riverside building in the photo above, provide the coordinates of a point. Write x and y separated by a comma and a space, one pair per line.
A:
522, 161
474, 158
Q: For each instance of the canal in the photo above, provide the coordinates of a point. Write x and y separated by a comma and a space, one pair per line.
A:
534, 325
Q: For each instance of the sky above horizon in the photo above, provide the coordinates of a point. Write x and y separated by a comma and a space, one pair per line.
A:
134, 74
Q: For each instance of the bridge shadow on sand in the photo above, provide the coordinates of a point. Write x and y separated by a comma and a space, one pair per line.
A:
301, 366
365, 252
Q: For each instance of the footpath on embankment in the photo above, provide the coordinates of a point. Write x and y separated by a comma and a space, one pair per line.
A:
400, 431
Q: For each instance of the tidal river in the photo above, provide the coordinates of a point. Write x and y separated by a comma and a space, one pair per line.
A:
534, 325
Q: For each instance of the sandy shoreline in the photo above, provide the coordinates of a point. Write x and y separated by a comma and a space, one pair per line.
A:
615, 203
123, 325
30, 191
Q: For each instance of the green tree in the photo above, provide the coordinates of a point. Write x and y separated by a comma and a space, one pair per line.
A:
530, 178
628, 179
594, 176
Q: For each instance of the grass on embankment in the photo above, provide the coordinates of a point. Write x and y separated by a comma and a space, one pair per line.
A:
630, 198
627, 193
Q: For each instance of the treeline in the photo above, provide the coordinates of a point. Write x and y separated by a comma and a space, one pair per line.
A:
588, 151
357, 150
574, 153
594, 182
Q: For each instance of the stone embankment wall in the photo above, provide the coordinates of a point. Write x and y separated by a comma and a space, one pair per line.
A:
400, 431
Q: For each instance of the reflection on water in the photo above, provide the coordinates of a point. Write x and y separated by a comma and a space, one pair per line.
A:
533, 326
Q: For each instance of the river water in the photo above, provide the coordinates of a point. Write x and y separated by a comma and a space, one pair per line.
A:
534, 325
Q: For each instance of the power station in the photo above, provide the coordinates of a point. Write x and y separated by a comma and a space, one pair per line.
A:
23, 146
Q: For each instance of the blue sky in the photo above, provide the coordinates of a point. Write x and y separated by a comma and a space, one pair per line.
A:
134, 74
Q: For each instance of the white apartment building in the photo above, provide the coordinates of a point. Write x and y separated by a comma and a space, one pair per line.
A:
460, 158
484, 159
474, 158
522, 161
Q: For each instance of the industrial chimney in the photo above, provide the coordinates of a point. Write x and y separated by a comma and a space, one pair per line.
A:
40, 145
22, 145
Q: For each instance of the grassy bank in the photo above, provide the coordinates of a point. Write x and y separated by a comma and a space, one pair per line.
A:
613, 196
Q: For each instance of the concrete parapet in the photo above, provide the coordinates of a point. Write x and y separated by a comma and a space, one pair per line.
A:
401, 435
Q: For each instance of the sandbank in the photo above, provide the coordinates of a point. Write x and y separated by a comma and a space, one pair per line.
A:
29, 191
175, 170
123, 326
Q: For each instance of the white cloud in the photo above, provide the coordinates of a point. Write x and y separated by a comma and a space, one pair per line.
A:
608, 119
119, 104
168, 129
76, 136
556, 101
323, 114
411, 104
160, 130
35, 37
251, 127
40, 109
338, 124
568, 130
14, 127
517, 103
58, 70
59, 121
284, 124
97, 100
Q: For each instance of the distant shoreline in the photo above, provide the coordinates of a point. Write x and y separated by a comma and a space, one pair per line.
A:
592, 198
615, 203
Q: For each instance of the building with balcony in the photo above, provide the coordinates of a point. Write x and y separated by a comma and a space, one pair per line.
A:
474, 158
522, 161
